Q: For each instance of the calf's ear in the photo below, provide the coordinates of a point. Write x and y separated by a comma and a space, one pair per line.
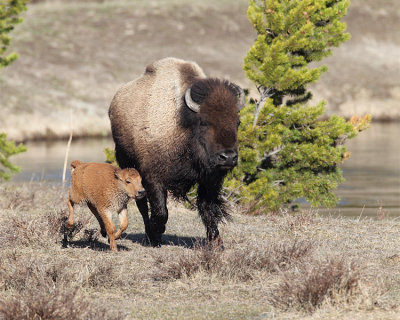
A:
118, 174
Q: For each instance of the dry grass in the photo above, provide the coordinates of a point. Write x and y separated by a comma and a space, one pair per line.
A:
285, 266
241, 262
52, 304
308, 287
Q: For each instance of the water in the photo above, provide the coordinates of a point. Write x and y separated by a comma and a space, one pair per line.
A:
44, 160
372, 173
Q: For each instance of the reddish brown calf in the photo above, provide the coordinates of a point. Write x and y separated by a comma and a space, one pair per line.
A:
105, 189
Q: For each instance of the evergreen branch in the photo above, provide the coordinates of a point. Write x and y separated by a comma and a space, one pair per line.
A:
340, 140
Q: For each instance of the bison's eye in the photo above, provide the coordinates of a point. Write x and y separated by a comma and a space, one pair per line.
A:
203, 123
127, 181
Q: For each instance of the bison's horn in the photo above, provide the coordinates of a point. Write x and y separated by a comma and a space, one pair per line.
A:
190, 103
240, 94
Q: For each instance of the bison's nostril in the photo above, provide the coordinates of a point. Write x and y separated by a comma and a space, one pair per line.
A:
142, 192
222, 157
227, 158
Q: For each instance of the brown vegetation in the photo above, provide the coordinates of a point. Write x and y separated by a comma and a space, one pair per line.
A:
285, 266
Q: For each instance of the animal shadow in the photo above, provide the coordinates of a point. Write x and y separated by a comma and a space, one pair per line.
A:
90, 241
167, 239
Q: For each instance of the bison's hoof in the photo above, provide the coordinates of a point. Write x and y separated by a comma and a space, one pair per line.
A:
154, 241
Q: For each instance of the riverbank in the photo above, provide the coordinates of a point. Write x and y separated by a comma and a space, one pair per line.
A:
75, 55
285, 266
369, 187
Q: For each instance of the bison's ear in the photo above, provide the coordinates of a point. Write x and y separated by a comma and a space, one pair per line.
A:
195, 107
238, 91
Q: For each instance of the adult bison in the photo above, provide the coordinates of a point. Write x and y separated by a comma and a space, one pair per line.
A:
177, 128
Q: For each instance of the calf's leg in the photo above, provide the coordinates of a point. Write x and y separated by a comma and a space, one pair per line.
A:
123, 222
106, 216
70, 220
99, 219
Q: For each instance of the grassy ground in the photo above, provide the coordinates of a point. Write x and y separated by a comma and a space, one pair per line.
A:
75, 54
285, 266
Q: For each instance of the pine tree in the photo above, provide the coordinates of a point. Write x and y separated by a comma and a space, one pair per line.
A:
286, 151
8, 149
9, 11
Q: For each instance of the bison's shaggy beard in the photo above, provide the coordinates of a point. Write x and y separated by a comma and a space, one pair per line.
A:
200, 171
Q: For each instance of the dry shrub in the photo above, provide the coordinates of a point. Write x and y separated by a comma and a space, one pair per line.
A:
21, 271
190, 262
240, 262
32, 230
32, 196
301, 219
17, 198
52, 303
314, 283
47, 287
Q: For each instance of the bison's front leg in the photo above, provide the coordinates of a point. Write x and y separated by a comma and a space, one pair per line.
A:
155, 227
212, 211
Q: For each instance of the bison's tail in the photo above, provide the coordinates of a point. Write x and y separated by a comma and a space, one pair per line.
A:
74, 164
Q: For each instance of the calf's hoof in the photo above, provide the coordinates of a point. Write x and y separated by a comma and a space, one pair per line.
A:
65, 242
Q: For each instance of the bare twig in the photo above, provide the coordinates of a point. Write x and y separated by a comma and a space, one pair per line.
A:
265, 93
67, 152
272, 152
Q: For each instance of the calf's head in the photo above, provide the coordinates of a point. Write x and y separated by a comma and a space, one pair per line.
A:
131, 182
215, 105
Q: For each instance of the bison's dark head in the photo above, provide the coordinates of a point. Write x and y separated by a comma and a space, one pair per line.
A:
214, 119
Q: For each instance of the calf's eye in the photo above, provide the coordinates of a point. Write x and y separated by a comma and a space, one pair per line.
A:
127, 182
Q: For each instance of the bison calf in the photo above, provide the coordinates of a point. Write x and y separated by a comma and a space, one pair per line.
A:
105, 189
